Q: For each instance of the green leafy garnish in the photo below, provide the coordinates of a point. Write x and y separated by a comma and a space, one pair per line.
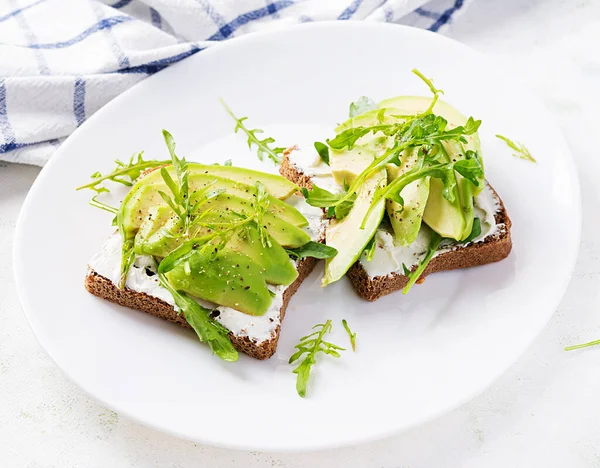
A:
312, 249
583, 345
361, 105
311, 345
125, 173
322, 198
208, 330
350, 334
475, 231
414, 276
520, 151
370, 249
262, 146
436, 92
323, 151
103, 206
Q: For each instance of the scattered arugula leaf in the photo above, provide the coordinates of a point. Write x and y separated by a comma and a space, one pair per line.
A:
262, 146
312, 249
350, 334
208, 330
520, 151
311, 345
414, 276
583, 345
103, 206
369, 250
361, 105
323, 151
125, 173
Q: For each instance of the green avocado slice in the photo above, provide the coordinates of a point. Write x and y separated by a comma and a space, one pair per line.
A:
272, 259
227, 278
276, 185
345, 234
406, 221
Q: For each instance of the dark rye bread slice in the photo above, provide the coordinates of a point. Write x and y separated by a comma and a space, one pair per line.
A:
492, 249
104, 288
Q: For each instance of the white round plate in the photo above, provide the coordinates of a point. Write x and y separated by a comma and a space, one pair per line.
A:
418, 356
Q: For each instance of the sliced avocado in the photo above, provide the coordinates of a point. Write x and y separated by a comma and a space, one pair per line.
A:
346, 236
272, 259
227, 278
158, 233
276, 185
346, 165
145, 194
444, 217
458, 215
406, 221
161, 235
283, 232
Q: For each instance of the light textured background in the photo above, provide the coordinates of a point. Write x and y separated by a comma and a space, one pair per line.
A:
542, 413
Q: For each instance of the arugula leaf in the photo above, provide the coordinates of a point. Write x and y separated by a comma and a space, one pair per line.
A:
471, 168
361, 105
312, 249
262, 146
323, 151
475, 232
311, 345
583, 345
125, 173
208, 330
350, 334
405, 270
322, 198
436, 92
520, 150
413, 277
369, 250
103, 206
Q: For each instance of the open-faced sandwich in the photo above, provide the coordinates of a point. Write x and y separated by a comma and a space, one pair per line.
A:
216, 248
403, 186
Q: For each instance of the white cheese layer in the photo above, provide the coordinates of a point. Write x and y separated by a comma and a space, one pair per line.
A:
142, 278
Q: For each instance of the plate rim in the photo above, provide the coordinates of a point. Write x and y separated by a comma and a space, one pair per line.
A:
18, 274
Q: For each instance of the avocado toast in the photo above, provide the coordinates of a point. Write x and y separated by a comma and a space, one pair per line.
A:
214, 248
403, 185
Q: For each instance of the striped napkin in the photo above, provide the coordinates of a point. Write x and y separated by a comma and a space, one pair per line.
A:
61, 60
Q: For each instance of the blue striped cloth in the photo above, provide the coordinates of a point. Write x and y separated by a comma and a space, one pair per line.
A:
61, 60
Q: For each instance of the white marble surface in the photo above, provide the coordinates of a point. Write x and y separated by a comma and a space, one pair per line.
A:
542, 413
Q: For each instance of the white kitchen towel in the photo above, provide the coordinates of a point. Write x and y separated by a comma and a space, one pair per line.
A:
61, 60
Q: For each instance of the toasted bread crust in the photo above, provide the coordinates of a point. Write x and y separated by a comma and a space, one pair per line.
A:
102, 287
491, 250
